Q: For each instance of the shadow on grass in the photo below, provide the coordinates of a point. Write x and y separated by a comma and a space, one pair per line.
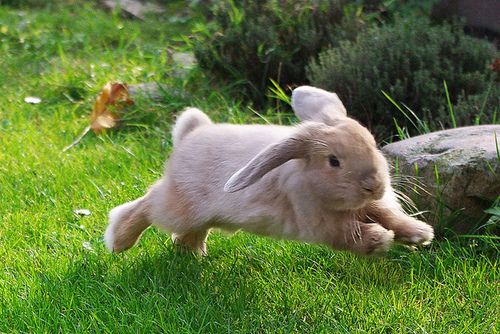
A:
261, 288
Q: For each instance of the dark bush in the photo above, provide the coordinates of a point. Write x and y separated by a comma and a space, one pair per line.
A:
480, 108
250, 42
33, 3
409, 60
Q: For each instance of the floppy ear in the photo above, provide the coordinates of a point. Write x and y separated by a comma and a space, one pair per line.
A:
314, 104
271, 157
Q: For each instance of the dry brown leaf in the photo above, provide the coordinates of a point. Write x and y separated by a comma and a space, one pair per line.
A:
113, 96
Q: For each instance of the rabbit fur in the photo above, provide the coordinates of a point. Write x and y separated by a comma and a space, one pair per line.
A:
320, 181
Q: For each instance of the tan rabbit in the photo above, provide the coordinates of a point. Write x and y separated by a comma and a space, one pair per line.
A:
321, 181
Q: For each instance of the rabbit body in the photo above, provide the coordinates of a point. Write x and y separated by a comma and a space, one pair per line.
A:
322, 181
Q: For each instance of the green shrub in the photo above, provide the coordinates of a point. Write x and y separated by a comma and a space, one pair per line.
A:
34, 3
409, 61
250, 42
480, 108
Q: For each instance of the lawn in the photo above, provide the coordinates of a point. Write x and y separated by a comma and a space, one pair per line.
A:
57, 276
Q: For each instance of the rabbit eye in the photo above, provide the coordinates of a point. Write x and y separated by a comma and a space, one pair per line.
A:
334, 162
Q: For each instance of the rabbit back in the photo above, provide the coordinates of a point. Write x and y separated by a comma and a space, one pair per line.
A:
191, 194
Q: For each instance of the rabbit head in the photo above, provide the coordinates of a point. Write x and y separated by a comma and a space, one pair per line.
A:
341, 166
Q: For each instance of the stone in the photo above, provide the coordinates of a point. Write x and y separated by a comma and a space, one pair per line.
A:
183, 62
458, 169
134, 8
184, 59
155, 91
151, 90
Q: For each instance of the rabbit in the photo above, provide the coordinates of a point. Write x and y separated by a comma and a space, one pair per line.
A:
320, 181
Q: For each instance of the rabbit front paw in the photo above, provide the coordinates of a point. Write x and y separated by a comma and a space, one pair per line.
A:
416, 233
372, 239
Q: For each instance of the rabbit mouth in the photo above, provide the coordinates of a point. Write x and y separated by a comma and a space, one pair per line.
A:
373, 194
353, 204
377, 195
366, 198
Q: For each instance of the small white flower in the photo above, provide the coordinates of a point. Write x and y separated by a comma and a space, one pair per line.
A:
82, 212
32, 99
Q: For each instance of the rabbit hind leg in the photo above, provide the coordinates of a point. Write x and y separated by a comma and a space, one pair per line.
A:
191, 242
126, 224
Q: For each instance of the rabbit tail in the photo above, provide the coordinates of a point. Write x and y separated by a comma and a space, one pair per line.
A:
189, 120
126, 224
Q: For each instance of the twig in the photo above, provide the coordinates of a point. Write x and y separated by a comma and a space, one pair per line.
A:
77, 140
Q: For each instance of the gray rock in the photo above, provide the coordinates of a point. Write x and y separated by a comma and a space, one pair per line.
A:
151, 90
184, 59
184, 63
134, 8
154, 91
458, 169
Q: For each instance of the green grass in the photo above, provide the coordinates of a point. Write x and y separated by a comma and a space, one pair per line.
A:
56, 275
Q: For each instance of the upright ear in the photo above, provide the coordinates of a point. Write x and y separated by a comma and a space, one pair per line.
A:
314, 104
271, 157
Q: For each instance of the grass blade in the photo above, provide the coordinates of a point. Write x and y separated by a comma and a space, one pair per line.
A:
278, 93
450, 106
